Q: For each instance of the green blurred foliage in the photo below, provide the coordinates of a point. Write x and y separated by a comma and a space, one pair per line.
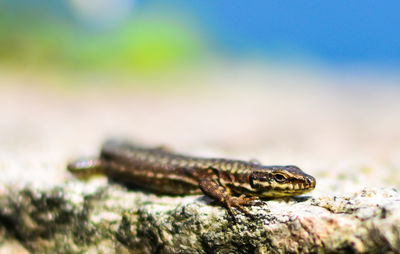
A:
144, 44
153, 44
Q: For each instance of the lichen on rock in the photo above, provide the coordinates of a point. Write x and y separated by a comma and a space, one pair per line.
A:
109, 218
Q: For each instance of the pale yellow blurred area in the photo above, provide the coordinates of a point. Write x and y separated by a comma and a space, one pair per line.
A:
343, 129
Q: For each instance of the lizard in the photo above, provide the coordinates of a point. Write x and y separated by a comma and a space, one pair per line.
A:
232, 183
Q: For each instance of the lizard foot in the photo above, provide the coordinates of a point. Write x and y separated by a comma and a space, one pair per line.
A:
238, 203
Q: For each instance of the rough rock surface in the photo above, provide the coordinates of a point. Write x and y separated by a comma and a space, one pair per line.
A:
97, 217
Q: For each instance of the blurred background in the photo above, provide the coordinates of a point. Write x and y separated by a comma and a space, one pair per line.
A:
288, 82
143, 37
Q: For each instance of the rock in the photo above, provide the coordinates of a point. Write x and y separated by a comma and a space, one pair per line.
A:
101, 217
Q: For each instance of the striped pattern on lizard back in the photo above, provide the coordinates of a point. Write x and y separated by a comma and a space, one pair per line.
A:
161, 170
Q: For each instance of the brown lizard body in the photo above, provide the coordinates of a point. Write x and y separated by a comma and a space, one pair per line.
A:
163, 171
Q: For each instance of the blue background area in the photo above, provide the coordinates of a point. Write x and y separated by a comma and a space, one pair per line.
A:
334, 31
338, 32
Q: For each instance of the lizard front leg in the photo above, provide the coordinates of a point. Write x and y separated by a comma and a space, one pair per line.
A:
213, 189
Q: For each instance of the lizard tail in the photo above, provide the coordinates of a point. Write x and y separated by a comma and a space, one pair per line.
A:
85, 167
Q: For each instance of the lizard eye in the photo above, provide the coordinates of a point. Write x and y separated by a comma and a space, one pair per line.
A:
279, 178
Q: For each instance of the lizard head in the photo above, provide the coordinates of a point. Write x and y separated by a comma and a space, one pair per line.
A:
281, 181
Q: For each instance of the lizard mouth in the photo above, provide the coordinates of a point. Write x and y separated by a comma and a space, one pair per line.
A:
293, 189
284, 193
305, 185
